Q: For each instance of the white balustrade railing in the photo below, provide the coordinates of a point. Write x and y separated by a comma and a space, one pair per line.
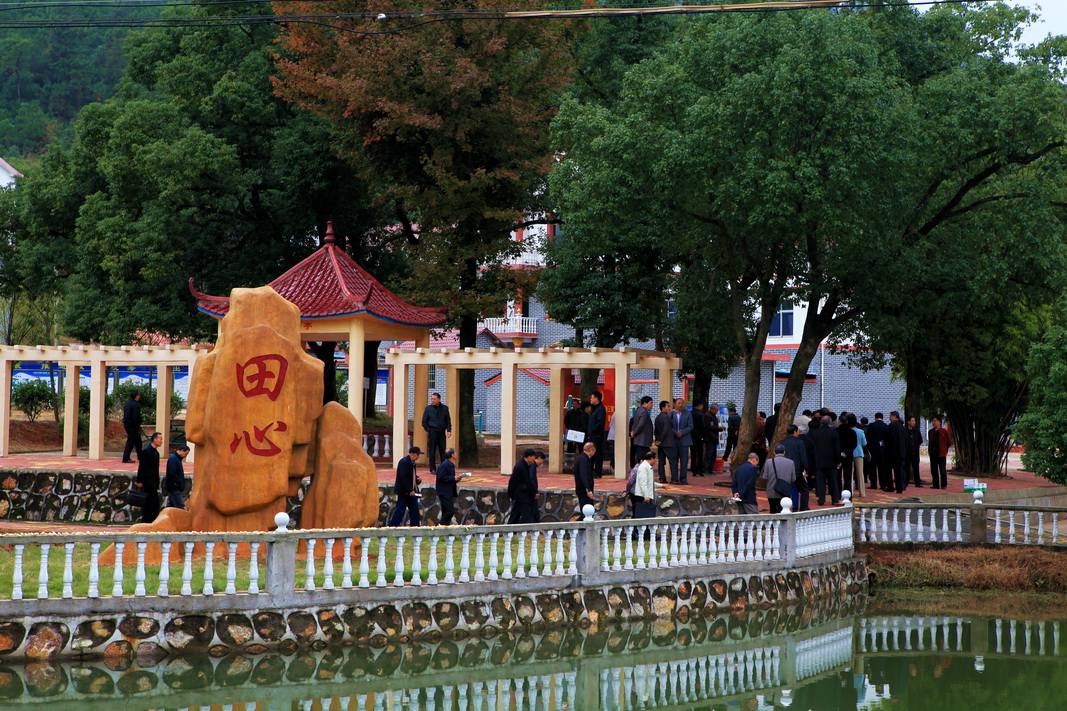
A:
1027, 525
511, 324
823, 653
911, 523
915, 633
379, 445
826, 532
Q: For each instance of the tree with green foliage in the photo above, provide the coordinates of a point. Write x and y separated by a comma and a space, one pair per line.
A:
33, 397
447, 124
195, 170
1040, 429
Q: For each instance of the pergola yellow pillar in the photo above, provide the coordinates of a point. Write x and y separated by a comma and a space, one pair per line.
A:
622, 419
666, 387
400, 411
555, 420
72, 394
164, 386
452, 390
5, 406
98, 389
508, 378
356, 366
421, 397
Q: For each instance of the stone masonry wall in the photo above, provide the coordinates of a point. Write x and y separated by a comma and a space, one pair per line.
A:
683, 602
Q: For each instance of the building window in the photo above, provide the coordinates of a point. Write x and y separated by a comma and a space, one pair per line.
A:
432, 377
782, 325
672, 311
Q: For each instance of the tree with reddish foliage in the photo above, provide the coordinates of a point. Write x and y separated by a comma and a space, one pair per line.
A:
447, 122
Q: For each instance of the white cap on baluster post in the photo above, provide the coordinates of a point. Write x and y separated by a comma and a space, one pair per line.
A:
846, 498
587, 512
978, 495
787, 505
281, 521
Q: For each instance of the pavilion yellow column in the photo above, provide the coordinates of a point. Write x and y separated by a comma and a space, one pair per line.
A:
452, 392
164, 386
98, 389
5, 406
70, 410
555, 419
357, 336
400, 411
622, 419
422, 396
508, 373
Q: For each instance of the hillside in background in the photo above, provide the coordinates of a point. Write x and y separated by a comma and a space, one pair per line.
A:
48, 74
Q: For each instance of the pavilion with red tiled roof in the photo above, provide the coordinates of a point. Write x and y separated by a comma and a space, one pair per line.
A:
340, 301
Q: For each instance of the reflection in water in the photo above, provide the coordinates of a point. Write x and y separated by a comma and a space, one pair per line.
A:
816, 658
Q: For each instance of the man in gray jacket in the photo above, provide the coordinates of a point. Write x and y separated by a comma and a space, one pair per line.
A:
682, 432
665, 439
641, 429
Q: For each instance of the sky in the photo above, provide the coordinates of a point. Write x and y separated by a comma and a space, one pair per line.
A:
1053, 20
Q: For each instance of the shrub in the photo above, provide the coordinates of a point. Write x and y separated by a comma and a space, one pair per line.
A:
33, 397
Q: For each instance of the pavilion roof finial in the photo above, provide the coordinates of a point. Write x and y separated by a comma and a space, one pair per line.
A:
329, 233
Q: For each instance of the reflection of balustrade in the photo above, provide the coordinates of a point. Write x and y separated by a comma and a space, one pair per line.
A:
512, 324
823, 653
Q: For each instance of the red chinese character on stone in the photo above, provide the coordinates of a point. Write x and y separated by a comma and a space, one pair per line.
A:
260, 435
254, 377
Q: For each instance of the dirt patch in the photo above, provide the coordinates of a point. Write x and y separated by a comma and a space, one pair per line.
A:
962, 603
982, 568
45, 435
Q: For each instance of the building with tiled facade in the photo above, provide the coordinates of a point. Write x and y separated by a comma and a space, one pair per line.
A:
831, 383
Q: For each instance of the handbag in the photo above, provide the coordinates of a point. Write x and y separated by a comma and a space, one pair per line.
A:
781, 487
645, 509
136, 497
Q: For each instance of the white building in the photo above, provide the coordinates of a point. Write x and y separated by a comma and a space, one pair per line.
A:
7, 174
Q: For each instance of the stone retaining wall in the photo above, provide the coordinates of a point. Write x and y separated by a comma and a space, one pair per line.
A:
94, 497
258, 629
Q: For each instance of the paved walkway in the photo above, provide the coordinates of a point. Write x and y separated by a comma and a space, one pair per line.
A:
716, 484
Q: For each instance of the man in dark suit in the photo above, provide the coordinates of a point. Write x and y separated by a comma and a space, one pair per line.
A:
881, 476
696, 452
744, 485
911, 461
772, 423
682, 429
148, 477
174, 482
733, 429
665, 439
131, 422
522, 490
594, 430
437, 421
896, 450
583, 475
796, 451
406, 488
445, 486
827, 457
642, 429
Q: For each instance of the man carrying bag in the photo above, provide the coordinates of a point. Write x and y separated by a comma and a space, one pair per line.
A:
780, 475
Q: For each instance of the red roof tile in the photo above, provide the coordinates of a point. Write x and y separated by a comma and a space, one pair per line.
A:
329, 284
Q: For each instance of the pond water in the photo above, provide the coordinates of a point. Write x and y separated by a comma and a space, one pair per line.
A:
821, 658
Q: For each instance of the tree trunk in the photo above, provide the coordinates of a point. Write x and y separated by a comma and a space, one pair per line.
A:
914, 379
468, 432
589, 377
753, 363
701, 385
324, 350
794, 386
370, 370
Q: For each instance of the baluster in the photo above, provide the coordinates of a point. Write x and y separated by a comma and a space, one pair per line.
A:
959, 525
383, 543
535, 569
231, 570
116, 573
944, 526
479, 557
628, 563
605, 554
416, 560
139, 574
1026, 527
398, 568
1011, 526
702, 543
465, 559
907, 524
187, 570
885, 526
896, 525
432, 560
560, 555
616, 548
996, 525
346, 563
718, 539
16, 575
761, 540
42, 573
509, 539
572, 554
732, 542
520, 561
1055, 528
327, 566
68, 571
163, 589
672, 530
749, 542
640, 532
494, 540
653, 547
365, 449
547, 554
1040, 528
94, 571
388, 454
364, 561
209, 568
694, 531
309, 566
253, 568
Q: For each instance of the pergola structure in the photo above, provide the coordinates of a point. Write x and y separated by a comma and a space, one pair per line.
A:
556, 360
340, 301
72, 359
